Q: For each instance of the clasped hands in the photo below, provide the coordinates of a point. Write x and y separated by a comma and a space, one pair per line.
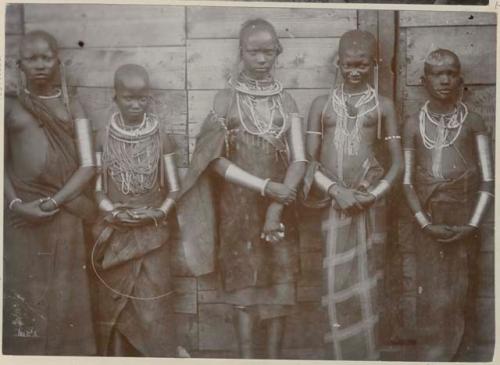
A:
33, 212
350, 201
123, 215
447, 234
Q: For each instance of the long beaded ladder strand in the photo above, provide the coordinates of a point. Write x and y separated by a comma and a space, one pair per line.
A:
348, 141
133, 160
446, 122
249, 97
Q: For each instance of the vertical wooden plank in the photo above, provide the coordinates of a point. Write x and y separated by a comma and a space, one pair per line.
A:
386, 45
368, 21
14, 19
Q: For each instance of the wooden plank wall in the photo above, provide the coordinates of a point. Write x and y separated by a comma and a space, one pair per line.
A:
189, 53
472, 37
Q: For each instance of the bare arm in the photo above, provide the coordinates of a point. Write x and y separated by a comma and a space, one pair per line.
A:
482, 143
234, 174
409, 146
393, 141
295, 171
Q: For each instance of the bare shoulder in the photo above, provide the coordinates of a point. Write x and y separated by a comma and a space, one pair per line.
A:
289, 101
411, 124
14, 113
476, 123
100, 139
222, 100
168, 143
76, 107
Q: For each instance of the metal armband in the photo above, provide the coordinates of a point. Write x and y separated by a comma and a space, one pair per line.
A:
106, 205
98, 163
167, 206
483, 202
381, 188
422, 219
239, 176
409, 157
171, 172
297, 147
83, 132
323, 182
484, 154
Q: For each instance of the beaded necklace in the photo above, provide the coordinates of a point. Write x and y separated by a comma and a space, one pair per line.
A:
347, 141
445, 125
132, 155
46, 97
255, 96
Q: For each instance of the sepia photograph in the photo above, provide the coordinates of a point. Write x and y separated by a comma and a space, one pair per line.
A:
186, 181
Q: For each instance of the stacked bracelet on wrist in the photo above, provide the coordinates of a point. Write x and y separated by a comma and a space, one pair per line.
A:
14, 201
263, 190
422, 219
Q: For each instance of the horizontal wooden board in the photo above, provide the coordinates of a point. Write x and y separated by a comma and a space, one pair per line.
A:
108, 25
309, 293
96, 67
444, 18
305, 63
14, 19
225, 22
475, 46
216, 327
304, 328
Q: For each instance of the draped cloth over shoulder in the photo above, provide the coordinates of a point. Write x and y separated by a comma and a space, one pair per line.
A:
46, 293
196, 208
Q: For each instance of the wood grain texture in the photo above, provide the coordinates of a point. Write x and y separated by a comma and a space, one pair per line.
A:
96, 67
14, 19
185, 300
108, 25
216, 327
304, 328
187, 330
444, 18
475, 46
304, 63
225, 22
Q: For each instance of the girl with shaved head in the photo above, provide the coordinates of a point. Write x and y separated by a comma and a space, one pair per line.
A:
349, 185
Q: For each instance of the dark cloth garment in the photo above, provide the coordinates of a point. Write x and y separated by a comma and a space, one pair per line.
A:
196, 202
253, 271
46, 288
442, 279
245, 259
134, 290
